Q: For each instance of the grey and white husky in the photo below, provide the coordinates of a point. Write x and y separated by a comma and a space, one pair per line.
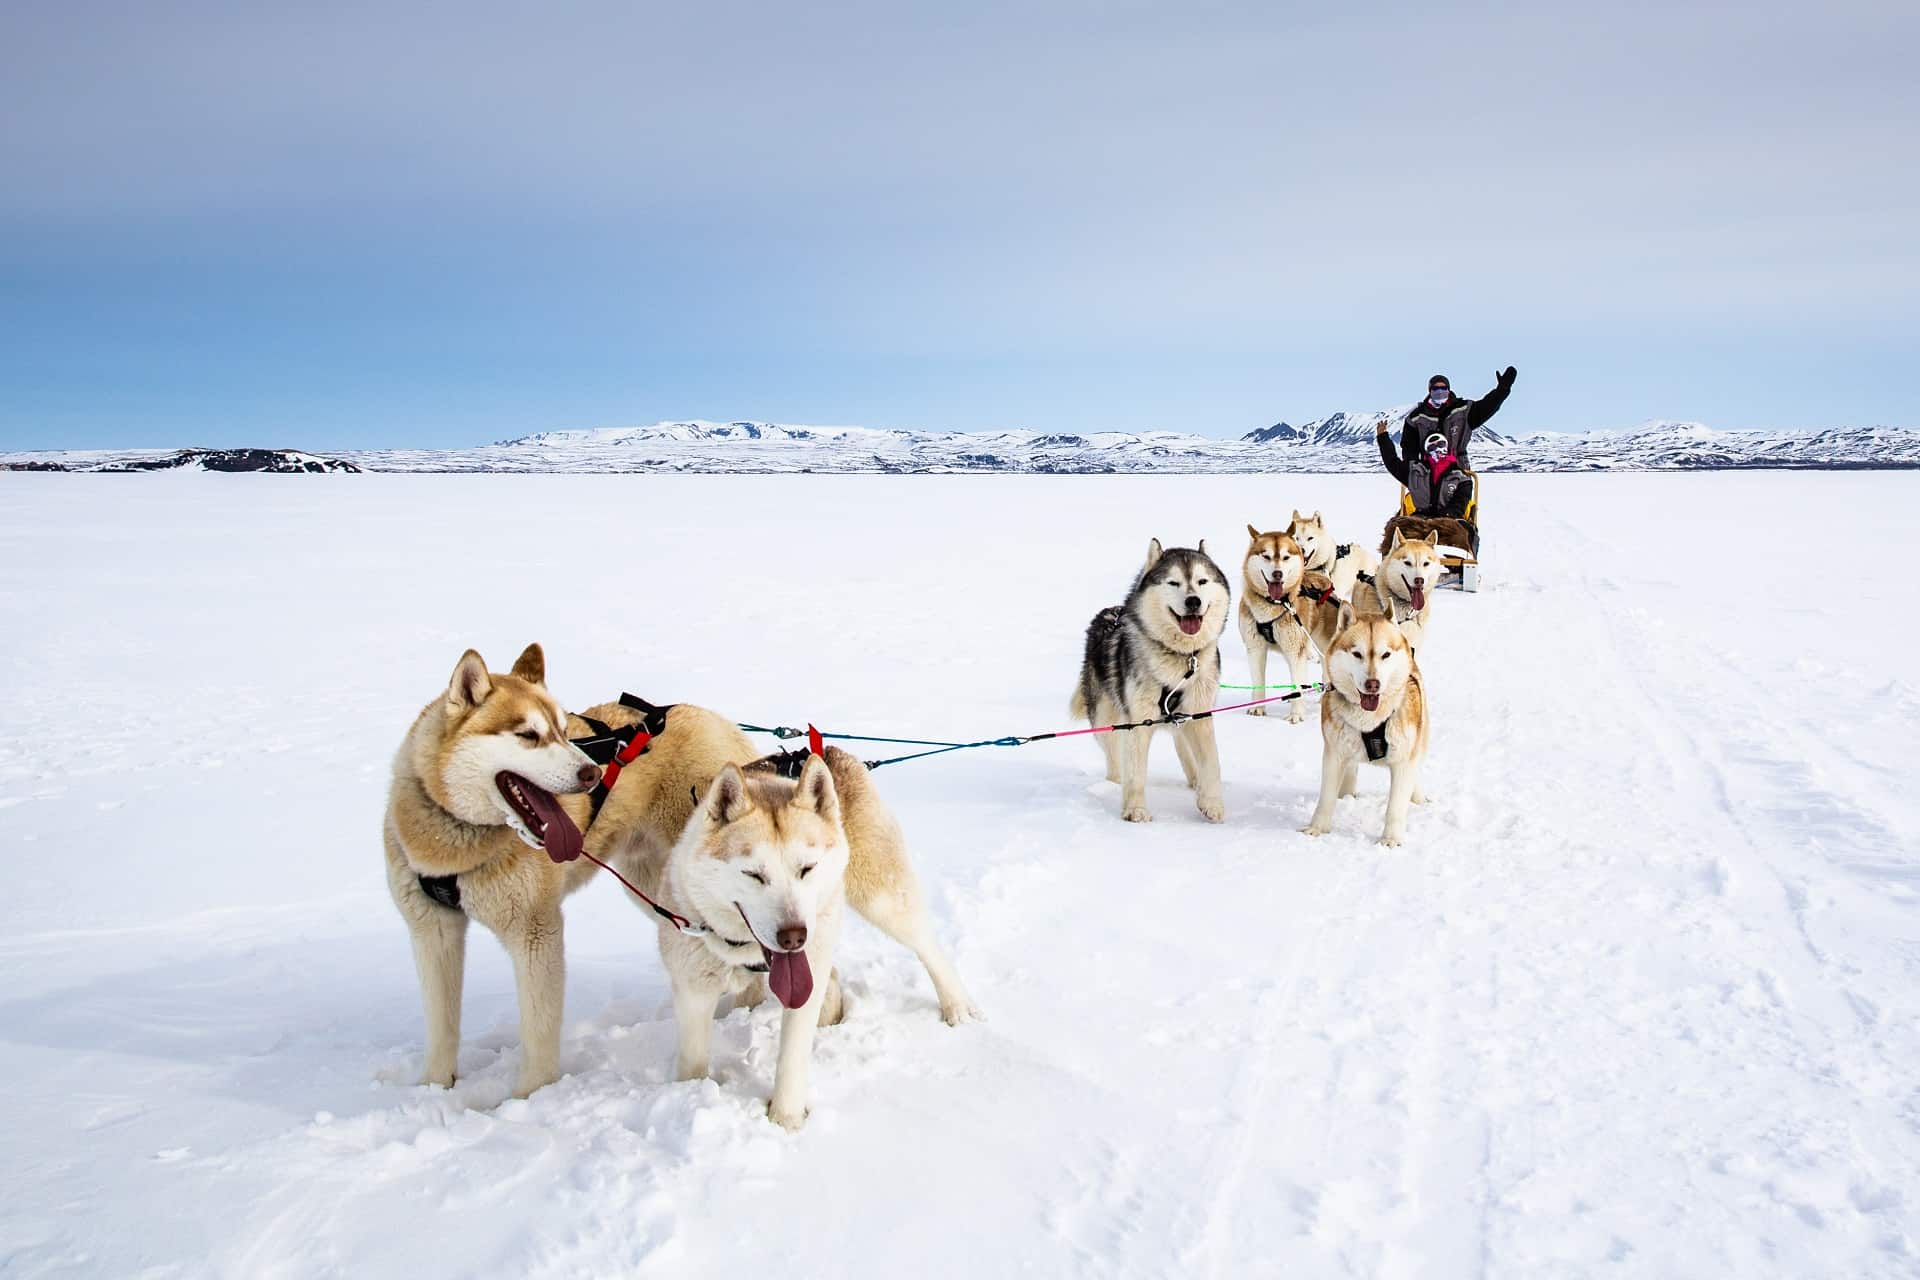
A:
1156, 655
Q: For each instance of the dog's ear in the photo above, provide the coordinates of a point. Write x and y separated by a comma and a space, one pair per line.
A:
1296, 517
470, 684
1153, 553
1346, 618
1253, 533
1317, 520
727, 799
816, 791
1202, 548
531, 665
1397, 539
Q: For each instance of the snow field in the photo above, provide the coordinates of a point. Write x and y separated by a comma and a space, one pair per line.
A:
1636, 998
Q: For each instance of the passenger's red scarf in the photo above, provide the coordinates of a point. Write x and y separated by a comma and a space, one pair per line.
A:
1439, 467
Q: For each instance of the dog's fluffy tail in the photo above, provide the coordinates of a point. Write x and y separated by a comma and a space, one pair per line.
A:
1077, 708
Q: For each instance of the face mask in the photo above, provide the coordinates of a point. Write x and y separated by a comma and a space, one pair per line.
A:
1437, 451
1437, 398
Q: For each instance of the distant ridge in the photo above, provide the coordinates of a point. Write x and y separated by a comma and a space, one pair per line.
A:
1336, 443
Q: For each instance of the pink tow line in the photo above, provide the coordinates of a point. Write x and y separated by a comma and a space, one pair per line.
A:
1198, 715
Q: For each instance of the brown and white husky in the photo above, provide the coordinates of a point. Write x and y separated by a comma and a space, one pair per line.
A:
1374, 711
484, 822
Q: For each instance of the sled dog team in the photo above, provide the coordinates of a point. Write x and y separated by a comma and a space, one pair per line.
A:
751, 858
1156, 656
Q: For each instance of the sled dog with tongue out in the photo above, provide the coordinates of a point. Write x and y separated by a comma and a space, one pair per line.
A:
1284, 608
1374, 710
485, 821
766, 864
1402, 587
485, 809
1157, 655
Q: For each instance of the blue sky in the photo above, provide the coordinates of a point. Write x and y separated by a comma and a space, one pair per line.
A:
365, 224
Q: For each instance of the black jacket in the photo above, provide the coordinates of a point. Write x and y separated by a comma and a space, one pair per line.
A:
1424, 420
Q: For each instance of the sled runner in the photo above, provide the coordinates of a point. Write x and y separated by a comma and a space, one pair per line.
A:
1463, 563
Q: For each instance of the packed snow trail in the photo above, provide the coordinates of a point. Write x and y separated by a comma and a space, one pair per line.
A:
1636, 998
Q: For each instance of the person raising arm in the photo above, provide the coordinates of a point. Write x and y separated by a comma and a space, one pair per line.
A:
1447, 413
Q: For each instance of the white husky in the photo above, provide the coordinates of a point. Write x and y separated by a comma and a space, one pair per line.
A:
1340, 561
766, 865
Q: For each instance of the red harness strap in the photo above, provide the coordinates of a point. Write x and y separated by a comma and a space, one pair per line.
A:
623, 757
673, 918
611, 774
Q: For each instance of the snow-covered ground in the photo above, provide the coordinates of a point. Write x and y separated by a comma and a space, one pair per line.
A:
1638, 997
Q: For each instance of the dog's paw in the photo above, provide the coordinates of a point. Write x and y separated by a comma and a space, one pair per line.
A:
1256, 711
1391, 840
527, 1086
1316, 829
1297, 715
1136, 813
790, 1119
1212, 808
960, 1013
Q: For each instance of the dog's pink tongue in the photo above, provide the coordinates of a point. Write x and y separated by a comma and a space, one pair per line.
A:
1369, 702
1191, 626
562, 841
1418, 595
789, 977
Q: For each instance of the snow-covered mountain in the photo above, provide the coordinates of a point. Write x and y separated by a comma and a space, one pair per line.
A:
1336, 443
1346, 429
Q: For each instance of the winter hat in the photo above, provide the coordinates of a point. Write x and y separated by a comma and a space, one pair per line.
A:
1437, 439
1439, 380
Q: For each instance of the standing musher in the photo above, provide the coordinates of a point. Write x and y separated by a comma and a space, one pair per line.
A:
1432, 460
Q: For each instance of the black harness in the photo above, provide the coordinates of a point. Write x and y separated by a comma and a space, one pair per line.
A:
1266, 628
1375, 740
783, 764
608, 741
1326, 593
758, 966
1170, 698
601, 748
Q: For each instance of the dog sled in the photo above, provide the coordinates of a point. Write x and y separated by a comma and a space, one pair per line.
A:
1462, 560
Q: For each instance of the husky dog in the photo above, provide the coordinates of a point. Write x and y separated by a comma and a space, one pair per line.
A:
1401, 588
776, 860
484, 821
1284, 608
1375, 710
1341, 561
1158, 655
485, 778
